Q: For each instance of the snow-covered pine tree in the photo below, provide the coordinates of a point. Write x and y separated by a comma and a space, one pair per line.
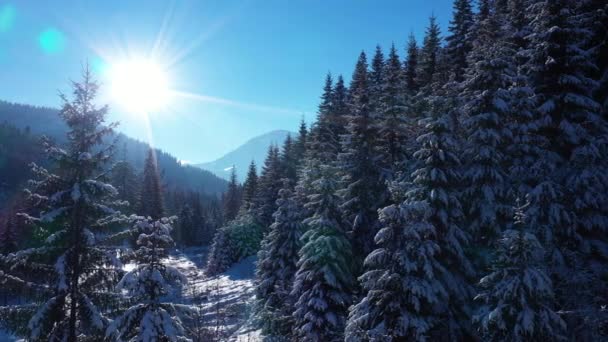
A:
402, 279
363, 191
485, 90
220, 253
151, 196
411, 65
277, 265
300, 142
324, 281
250, 187
569, 205
232, 197
517, 295
438, 181
429, 53
322, 142
71, 272
460, 38
289, 163
269, 185
152, 317
392, 122
375, 82
339, 110
527, 146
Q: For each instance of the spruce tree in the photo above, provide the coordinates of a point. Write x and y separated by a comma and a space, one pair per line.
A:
429, 54
289, 163
518, 295
151, 198
362, 192
459, 41
375, 80
322, 143
71, 272
151, 318
402, 279
411, 66
324, 280
250, 187
277, 265
569, 205
232, 197
185, 232
437, 181
339, 110
269, 185
124, 179
301, 141
393, 120
486, 106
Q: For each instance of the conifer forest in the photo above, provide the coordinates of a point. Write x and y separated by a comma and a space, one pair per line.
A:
453, 186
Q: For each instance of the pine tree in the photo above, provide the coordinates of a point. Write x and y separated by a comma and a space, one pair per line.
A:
301, 141
289, 163
185, 231
324, 281
269, 185
569, 205
124, 179
518, 294
220, 254
71, 272
393, 121
402, 279
429, 54
375, 80
362, 191
232, 197
151, 199
322, 143
339, 110
250, 187
459, 41
487, 98
277, 265
151, 318
437, 181
411, 66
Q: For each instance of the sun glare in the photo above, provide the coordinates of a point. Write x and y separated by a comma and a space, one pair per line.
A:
139, 85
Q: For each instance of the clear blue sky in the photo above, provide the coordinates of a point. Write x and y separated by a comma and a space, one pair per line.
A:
259, 65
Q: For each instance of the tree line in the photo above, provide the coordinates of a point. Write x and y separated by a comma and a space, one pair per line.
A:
456, 194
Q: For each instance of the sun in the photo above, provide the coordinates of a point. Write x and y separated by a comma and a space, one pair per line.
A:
139, 85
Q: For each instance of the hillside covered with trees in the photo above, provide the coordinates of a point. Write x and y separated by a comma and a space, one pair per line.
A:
456, 191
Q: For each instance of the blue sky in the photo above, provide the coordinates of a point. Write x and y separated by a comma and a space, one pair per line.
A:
249, 66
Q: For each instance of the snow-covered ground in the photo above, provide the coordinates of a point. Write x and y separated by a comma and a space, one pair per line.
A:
223, 302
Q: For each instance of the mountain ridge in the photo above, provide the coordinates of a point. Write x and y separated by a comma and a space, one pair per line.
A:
253, 149
45, 121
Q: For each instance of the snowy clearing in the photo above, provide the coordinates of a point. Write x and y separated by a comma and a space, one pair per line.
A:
223, 302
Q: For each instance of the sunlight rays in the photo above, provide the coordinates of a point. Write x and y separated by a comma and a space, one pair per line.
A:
236, 104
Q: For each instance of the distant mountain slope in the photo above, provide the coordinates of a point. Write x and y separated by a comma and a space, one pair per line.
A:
254, 148
42, 120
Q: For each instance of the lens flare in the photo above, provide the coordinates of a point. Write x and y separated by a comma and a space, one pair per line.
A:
7, 17
51, 41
